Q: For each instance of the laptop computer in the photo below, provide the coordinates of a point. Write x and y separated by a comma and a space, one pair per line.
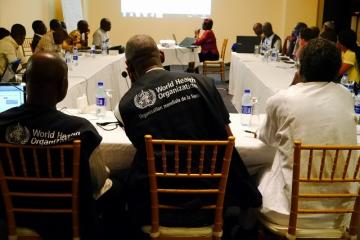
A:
188, 42
245, 44
9, 73
11, 95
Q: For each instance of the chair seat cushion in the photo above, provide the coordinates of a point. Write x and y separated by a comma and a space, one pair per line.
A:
27, 232
303, 233
214, 62
182, 231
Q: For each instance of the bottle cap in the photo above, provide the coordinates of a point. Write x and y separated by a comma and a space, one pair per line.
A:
247, 90
100, 83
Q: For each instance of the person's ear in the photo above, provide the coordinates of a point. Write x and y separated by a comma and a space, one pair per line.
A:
131, 71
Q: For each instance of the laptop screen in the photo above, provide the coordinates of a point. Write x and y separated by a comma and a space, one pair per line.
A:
188, 42
11, 95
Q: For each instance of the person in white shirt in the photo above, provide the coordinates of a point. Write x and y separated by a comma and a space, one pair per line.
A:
270, 40
316, 110
102, 33
10, 47
47, 42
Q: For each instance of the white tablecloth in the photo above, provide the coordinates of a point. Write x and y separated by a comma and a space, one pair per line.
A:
264, 79
118, 152
84, 77
176, 55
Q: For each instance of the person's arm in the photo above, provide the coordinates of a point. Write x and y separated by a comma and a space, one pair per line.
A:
344, 68
277, 45
202, 38
348, 61
267, 133
97, 41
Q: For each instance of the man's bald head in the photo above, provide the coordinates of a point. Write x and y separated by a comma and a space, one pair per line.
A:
46, 78
141, 53
258, 29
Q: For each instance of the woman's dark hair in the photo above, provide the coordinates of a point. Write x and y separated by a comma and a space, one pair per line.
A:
320, 61
207, 24
347, 38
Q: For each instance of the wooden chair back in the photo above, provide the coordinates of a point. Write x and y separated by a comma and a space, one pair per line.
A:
26, 169
327, 166
26, 46
217, 66
212, 161
223, 48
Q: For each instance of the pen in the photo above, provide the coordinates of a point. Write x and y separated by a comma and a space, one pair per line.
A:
254, 133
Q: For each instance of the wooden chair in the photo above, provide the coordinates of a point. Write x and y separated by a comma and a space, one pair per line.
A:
211, 162
33, 166
311, 163
217, 66
26, 46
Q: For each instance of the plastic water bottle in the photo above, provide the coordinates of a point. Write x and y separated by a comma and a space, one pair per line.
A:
104, 46
75, 56
345, 79
92, 51
357, 107
246, 108
100, 100
274, 54
68, 59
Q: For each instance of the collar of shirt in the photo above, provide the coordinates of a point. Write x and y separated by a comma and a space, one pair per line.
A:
154, 68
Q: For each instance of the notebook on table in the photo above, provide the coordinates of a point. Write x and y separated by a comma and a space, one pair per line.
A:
245, 44
11, 95
188, 42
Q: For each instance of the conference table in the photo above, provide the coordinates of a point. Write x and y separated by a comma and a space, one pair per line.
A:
263, 78
176, 55
84, 76
118, 152
83, 79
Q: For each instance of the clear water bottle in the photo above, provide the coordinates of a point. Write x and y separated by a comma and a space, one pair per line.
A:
274, 54
68, 57
104, 46
92, 51
75, 56
100, 100
357, 107
344, 79
246, 108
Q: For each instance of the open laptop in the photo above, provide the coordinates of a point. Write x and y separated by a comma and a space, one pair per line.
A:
9, 73
188, 42
12, 94
245, 44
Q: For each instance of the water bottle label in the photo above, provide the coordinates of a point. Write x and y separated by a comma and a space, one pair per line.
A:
75, 57
246, 109
100, 101
357, 109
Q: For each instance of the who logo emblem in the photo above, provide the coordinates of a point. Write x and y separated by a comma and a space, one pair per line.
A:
145, 99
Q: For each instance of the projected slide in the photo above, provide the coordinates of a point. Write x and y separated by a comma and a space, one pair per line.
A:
161, 8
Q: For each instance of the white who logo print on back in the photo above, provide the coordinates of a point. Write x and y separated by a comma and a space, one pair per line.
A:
145, 99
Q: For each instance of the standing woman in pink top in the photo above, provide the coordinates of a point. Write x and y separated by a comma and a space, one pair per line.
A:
207, 41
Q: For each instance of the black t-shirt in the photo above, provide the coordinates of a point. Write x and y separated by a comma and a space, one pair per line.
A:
170, 105
39, 125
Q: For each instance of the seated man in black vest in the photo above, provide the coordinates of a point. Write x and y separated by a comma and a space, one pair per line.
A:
270, 40
173, 105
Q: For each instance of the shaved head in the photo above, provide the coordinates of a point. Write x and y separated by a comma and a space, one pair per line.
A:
46, 78
141, 53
